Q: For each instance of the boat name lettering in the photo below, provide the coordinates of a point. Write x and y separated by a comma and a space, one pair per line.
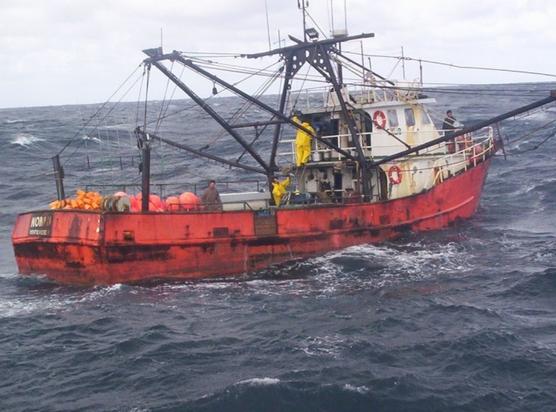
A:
41, 224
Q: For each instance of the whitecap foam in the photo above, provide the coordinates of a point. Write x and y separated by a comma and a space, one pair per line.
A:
323, 346
53, 302
259, 381
382, 265
19, 307
91, 138
25, 140
358, 389
102, 291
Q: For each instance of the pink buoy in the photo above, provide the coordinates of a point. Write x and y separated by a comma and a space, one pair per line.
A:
172, 203
189, 201
156, 204
135, 204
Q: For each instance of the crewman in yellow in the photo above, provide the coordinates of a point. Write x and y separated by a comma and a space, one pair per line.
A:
279, 189
302, 142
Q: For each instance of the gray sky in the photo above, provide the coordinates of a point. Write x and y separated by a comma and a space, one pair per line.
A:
67, 52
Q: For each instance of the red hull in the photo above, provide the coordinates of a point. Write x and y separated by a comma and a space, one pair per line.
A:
105, 248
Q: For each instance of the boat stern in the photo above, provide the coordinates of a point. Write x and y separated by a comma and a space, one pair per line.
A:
57, 243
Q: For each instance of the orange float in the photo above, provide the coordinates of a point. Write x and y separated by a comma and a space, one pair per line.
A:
189, 201
172, 203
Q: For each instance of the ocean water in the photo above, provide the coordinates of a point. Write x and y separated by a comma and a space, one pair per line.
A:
462, 319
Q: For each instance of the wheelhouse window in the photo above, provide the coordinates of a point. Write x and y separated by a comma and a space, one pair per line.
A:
409, 117
392, 118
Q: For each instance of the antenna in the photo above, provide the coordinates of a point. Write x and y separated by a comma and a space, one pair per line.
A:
161, 39
303, 5
267, 24
403, 64
332, 17
345, 17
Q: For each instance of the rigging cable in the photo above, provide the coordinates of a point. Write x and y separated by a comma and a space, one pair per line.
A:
163, 100
351, 81
96, 127
146, 97
208, 98
301, 88
163, 116
532, 132
247, 104
316, 24
98, 110
139, 97
457, 66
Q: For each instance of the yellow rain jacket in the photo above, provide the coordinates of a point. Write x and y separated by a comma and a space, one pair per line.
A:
302, 143
279, 190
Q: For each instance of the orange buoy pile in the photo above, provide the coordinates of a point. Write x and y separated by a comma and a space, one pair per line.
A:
82, 200
121, 201
156, 204
187, 201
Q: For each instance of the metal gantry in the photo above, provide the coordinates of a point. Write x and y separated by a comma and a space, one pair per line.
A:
317, 54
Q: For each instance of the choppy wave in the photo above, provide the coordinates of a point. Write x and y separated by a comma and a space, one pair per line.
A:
92, 138
259, 381
461, 319
25, 140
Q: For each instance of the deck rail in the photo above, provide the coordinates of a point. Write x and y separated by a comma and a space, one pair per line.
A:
373, 150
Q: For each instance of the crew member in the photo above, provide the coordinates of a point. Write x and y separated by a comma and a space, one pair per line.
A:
303, 142
449, 124
211, 197
279, 189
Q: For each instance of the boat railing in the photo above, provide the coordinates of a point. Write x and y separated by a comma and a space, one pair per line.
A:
468, 153
367, 140
168, 188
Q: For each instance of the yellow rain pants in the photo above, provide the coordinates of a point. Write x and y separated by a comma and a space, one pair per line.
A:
279, 190
303, 144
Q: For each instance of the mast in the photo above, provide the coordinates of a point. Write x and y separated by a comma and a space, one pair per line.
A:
59, 177
303, 5
145, 174
146, 155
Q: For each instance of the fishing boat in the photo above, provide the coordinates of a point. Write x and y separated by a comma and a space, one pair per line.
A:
361, 164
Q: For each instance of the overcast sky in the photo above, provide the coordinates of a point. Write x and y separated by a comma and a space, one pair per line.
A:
78, 51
